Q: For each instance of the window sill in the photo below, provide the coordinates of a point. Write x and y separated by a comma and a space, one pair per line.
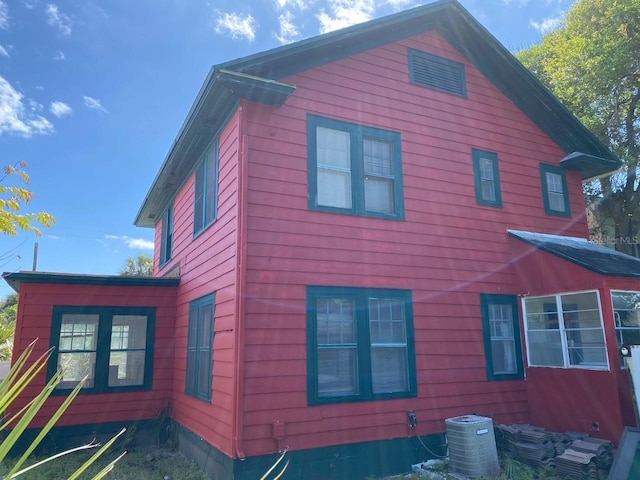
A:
351, 399
204, 229
110, 390
353, 213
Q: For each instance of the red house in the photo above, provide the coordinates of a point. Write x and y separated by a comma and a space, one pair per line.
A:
380, 220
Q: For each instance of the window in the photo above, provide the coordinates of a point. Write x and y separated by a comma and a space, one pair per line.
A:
206, 194
200, 348
565, 331
166, 243
111, 346
554, 190
487, 178
360, 344
502, 337
354, 169
436, 72
626, 313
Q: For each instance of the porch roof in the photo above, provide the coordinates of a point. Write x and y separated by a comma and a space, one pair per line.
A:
14, 279
582, 252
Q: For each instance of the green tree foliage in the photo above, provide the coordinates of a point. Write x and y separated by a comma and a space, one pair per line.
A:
141, 266
13, 197
592, 64
8, 313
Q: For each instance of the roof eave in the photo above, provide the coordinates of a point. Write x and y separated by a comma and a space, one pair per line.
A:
521, 86
590, 166
217, 99
14, 279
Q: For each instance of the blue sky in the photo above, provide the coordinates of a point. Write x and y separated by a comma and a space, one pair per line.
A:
93, 93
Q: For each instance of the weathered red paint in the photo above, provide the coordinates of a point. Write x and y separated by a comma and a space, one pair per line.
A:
575, 399
266, 246
34, 322
447, 251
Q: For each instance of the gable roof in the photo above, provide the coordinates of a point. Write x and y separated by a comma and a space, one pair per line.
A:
580, 251
447, 17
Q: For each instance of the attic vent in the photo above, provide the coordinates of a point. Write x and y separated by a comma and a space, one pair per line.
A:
436, 72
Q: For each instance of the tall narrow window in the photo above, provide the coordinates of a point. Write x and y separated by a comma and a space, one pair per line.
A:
360, 344
554, 190
166, 244
206, 190
502, 337
487, 178
354, 169
200, 348
128, 347
77, 349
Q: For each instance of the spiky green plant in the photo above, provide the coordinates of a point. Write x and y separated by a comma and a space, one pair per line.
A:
19, 378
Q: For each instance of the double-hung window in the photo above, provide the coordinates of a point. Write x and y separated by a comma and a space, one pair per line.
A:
166, 244
565, 331
111, 346
502, 337
487, 178
360, 344
555, 195
200, 348
206, 190
354, 169
626, 314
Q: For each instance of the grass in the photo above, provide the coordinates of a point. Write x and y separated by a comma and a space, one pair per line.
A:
138, 464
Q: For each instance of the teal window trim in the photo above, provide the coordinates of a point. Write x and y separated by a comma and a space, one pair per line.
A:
361, 298
452, 79
200, 338
166, 243
482, 181
205, 209
486, 300
546, 192
103, 346
358, 177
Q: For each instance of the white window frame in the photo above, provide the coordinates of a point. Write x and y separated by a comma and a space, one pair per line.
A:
562, 330
623, 363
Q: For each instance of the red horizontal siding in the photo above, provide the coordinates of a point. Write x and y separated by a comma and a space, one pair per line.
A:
208, 265
447, 251
34, 322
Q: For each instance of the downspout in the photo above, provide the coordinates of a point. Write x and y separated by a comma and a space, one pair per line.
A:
241, 279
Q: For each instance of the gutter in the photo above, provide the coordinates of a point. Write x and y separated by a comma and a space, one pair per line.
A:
241, 281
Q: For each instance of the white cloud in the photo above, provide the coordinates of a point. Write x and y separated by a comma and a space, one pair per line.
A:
60, 109
59, 55
344, 13
236, 25
4, 15
133, 243
94, 104
288, 31
14, 117
57, 19
300, 4
401, 4
3, 52
548, 24
35, 106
